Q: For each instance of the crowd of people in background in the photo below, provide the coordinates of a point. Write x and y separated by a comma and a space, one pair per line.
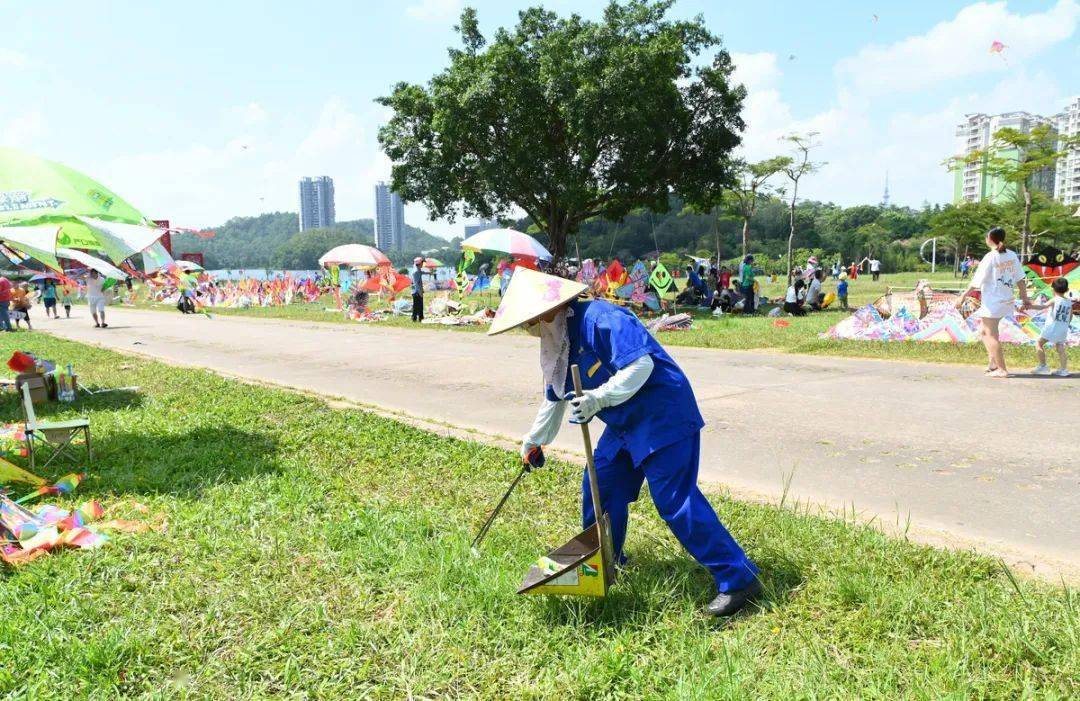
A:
719, 288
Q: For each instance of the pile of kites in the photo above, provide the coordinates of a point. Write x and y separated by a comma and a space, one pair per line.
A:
639, 286
29, 534
232, 294
929, 316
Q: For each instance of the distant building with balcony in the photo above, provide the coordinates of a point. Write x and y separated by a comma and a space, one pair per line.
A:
1067, 177
482, 225
389, 219
972, 183
317, 203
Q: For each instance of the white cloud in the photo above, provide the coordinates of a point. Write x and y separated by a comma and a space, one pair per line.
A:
434, 10
766, 114
870, 127
958, 48
9, 58
23, 131
249, 115
257, 168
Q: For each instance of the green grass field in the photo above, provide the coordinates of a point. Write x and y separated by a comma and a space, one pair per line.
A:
310, 552
736, 332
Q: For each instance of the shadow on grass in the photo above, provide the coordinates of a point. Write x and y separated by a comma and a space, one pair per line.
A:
183, 464
680, 581
95, 399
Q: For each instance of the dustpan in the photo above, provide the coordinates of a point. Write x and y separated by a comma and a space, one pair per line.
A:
585, 565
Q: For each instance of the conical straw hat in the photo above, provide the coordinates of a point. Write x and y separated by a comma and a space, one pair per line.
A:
532, 294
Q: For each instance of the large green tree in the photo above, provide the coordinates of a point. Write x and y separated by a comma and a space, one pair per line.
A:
1019, 159
569, 119
796, 169
750, 188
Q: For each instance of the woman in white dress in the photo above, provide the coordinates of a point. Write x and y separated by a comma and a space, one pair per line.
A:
998, 274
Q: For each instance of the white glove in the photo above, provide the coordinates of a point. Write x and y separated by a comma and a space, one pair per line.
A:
623, 385
584, 407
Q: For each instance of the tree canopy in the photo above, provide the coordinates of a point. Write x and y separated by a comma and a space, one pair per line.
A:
568, 119
1022, 159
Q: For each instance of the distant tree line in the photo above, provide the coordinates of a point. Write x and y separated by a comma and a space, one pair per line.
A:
892, 234
274, 241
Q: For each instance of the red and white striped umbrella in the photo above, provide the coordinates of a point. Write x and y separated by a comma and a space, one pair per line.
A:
514, 243
356, 255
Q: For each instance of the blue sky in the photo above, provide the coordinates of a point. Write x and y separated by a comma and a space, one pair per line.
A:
198, 111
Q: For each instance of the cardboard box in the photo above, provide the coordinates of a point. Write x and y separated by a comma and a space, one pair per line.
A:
39, 393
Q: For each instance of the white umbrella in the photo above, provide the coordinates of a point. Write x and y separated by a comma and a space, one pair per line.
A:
120, 241
37, 242
104, 267
188, 266
355, 254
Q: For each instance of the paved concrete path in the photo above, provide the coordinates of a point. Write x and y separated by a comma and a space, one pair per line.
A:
970, 461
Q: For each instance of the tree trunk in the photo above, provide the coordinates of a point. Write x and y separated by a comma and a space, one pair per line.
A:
1025, 235
557, 235
745, 236
791, 235
716, 232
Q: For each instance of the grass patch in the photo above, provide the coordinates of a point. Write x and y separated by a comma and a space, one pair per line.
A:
313, 552
735, 332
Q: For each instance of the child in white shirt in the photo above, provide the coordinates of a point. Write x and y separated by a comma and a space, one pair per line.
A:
1056, 329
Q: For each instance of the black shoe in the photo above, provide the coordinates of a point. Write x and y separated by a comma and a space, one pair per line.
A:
726, 604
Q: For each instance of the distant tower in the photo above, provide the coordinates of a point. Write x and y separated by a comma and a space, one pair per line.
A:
885, 197
389, 219
316, 203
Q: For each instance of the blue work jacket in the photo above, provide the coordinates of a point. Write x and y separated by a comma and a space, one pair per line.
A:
605, 338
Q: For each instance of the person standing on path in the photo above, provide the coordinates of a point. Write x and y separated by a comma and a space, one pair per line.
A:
1055, 330
418, 290
95, 298
48, 297
998, 274
5, 303
746, 284
20, 305
653, 425
66, 295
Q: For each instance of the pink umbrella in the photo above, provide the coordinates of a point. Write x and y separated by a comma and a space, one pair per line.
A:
514, 243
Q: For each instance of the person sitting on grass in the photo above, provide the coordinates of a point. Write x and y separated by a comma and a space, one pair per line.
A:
841, 291
813, 293
793, 300
1055, 331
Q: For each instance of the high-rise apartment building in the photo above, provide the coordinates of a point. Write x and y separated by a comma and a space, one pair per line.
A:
1067, 178
389, 219
482, 225
972, 183
316, 203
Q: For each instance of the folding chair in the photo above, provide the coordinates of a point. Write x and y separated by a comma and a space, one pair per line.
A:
58, 435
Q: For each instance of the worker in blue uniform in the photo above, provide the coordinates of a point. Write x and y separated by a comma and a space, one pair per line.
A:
653, 426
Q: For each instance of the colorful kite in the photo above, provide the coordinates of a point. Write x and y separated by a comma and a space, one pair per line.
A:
661, 279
